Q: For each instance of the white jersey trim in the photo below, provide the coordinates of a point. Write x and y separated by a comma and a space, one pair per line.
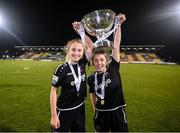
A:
57, 68
124, 114
112, 108
71, 108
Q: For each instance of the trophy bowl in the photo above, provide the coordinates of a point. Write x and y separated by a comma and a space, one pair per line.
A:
98, 23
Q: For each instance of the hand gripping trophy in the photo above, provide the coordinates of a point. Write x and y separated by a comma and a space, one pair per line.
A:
101, 24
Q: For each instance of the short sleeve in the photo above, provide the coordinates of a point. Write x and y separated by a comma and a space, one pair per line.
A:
57, 76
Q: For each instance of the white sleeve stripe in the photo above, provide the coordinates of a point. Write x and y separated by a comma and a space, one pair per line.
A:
55, 78
57, 68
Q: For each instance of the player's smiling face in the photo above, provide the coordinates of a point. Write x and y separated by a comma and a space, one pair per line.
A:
76, 52
100, 62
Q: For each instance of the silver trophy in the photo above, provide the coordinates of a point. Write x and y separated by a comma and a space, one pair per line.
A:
100, 24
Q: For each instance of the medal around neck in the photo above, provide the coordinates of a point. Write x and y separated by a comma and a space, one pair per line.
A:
100, 86
77, 78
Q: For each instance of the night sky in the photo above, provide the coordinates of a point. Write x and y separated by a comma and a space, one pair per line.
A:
36, 22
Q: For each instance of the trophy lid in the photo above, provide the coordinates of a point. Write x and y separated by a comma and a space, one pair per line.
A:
98, 21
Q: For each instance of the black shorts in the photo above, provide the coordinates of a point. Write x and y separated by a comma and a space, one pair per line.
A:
114, 121
71, 120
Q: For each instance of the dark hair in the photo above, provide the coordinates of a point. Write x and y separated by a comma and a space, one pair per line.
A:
100, 51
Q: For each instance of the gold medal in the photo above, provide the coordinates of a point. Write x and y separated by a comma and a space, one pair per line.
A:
102, 102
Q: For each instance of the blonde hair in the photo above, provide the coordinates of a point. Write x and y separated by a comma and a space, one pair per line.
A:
68, 46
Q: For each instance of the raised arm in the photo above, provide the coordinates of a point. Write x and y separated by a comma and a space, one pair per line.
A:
117, 38
88, 42
89, 46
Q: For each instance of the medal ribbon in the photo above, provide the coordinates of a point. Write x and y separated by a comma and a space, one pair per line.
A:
77, 79
106, 35
102, 86
81, 32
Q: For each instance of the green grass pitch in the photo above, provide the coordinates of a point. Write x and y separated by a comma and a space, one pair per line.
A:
152, 93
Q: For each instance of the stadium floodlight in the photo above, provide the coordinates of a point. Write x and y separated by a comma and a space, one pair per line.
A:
4, 27
178, 8
172, 10
1, 20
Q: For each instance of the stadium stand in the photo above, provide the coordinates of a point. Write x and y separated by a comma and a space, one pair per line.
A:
43, 53
128, 54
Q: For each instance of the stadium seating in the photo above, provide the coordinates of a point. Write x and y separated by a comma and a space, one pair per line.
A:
124, 57
128, 53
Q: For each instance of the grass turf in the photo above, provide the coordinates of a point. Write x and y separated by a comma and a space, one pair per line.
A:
151, 92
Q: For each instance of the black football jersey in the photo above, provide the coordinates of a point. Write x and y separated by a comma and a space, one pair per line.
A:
64, 79
113, 88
